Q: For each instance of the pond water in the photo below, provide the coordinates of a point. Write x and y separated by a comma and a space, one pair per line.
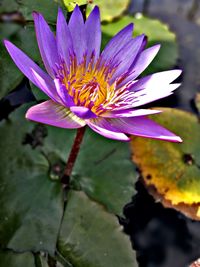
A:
163, 237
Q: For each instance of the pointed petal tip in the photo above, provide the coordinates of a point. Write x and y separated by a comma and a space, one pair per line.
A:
156, 48
77, 8
174, 139
178, 72
7, 43
130, 26
35, 14
96, 9
178, 139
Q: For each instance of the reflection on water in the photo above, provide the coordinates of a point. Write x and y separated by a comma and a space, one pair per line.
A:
183, 17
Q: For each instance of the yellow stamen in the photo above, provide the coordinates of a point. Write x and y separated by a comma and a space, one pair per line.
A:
89, 86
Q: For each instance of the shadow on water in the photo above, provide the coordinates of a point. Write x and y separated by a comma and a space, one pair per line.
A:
163, 237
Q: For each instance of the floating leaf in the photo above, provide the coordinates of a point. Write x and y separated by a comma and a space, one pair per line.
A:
91, 237
157, 33
110, 9
11, 259
31, 203
103, 168
171, 171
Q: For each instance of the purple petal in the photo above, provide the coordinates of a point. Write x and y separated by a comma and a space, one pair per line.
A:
127, 55
117, 43
130, 113
103, 127
47, 43
44, 87
154, 87
141, 64
77, 29
31, 70
93, 33
63, 38
149, 97
144, 127
65, 98
83, 112
54, 114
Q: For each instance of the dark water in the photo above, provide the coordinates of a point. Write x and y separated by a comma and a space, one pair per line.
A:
163, 237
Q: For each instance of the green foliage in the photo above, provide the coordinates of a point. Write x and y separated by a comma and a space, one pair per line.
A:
91, 237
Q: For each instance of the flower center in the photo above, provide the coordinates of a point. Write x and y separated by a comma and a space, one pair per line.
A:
88, 84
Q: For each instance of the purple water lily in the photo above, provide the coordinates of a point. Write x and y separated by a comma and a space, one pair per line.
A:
89, 88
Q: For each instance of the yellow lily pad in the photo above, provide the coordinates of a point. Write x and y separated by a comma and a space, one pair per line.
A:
171, 171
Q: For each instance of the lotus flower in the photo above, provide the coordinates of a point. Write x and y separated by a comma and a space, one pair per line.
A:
86, 87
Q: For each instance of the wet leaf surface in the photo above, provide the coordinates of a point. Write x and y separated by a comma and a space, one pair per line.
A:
92, 237
171, 171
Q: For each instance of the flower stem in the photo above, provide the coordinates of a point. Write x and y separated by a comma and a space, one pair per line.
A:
72, 156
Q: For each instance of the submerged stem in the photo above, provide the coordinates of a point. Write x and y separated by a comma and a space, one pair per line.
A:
73, 155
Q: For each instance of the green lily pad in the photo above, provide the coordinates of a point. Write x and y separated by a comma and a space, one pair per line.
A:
24, 38
48, 9
31, 203
110, 9
11, 259
157, 33
103, 169
171, 171
91, 237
